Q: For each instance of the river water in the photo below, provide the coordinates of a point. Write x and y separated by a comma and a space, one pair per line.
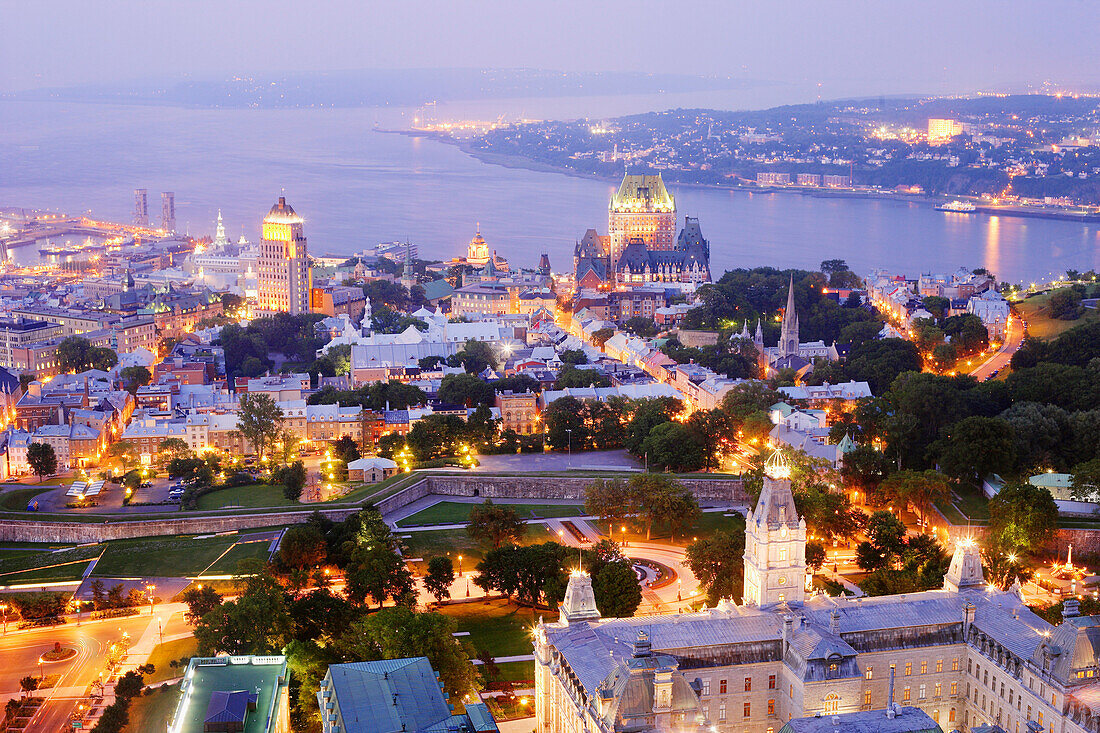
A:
356, 186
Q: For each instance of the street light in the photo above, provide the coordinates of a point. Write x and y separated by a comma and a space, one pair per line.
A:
569, 446
460, 566
149, 588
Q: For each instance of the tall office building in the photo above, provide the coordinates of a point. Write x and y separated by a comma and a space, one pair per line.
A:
283, 277
141, 207
168, 211
641, 208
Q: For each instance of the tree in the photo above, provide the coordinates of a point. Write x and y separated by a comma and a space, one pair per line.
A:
600, 337
134, 377
648, 414
609, 499
880, 361
125, 453
1086, 480
293, 479
376, 569
531, 574
76, 354
815, 555
937, 306
167, 449
29, 684
922, 489
864, 470
345, 448
399, 632
495, 525
259, 420
672, 446
616, 589
886, 541
640, 326
1022, 517
42, 459
467, 390
565, 424
573, 377
200, 601
257, 622
302, 546
710, 429
573, 356
663, 500
440, 575
975, 447
717, 562
475, 357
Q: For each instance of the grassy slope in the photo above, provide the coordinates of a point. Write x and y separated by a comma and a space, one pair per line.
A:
170, 651
152, 712
498, 627
1041, 325
160, 556
457, 512
250, 496
455, 542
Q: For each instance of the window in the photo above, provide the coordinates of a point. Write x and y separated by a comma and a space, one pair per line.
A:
955, 665
869, 672
906, 694
908, 668
939, 665
771, 708
748, 684
722, 711
920, 693
923, 667
954, 688
771, 682
936, 716
951, 716
867, 697
1039, 720
832, 702
1029, 712
706, 687
1011, 692
832, 668
937, 690
748, 709
721, 687
790, 692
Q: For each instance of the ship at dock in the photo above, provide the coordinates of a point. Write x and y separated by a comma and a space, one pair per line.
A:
958, 207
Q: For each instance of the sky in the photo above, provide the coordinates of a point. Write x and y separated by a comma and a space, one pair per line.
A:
830, 47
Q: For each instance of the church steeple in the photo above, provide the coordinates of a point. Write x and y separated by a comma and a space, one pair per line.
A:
775, 542
788, 335
220, 240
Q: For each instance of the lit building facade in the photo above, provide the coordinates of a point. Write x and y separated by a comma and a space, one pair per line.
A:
283, 275
641, 208
968, 655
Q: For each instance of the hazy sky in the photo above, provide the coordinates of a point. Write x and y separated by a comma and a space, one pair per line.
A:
848, 47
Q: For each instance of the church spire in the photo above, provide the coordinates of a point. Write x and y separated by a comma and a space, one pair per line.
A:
788, 336
775, 541
220, 240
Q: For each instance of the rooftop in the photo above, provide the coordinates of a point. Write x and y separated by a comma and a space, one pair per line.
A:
208, 680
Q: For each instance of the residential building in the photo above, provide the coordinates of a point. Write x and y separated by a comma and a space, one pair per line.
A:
480, 300
339, 299
518, 411
283, 276
394, 695
20, 332
994, 310
371, 469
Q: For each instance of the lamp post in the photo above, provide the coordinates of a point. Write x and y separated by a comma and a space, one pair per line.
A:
569, 446
4, 610
460, 566
149, 588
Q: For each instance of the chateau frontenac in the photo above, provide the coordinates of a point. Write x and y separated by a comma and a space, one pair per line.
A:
967, 655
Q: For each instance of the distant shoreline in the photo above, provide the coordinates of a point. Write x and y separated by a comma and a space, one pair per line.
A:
522, 163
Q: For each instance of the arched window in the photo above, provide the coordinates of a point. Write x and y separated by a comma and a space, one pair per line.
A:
832, 703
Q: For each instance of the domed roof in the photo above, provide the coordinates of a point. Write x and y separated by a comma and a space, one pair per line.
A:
282, 213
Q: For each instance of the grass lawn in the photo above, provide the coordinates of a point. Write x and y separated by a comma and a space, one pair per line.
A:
517, 671
498, 627
15, 500
170, 651
707, 524
1039, 323
427, 544
457, 512
972, 503
382, 489
227, 564
250, 496
49, 574
27, 561
177, 556
153, 711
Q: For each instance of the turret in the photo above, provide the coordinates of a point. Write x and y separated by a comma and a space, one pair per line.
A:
965, 570
579, 603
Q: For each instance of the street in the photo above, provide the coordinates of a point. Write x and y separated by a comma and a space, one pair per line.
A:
1014, 336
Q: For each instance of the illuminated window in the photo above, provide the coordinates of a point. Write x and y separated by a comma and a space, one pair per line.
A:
920, 693
748, 684
771, 682
771, 708
748, 709
867, 697
869, 671
939, 665
923, 667
954, 688
937, 690
906, 694
721, 687
832, 702
908, 668
951, 716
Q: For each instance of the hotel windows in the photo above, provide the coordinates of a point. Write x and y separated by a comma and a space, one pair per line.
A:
748, 709
721, 687
954, 688
771, 682
951, 716
955, 664
771, 708
706, 687
722, 711
867, 697
906, 695
832, 702
908, 668
939, 665
937, 690
748, 684
936, 716
867, 674
920, 693
923, 667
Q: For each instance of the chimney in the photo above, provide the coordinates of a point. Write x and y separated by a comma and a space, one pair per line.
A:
1071, 608
788, 623
890, 698
834, 622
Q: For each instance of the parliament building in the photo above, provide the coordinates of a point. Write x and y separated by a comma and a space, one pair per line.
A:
968, 655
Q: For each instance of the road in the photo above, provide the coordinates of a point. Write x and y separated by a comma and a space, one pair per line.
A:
21, 650
1014, 336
